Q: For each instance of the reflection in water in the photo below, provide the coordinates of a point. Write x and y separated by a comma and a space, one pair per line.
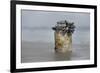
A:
45, 52
62, 56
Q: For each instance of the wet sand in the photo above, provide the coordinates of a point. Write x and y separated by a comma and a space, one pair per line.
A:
44, 52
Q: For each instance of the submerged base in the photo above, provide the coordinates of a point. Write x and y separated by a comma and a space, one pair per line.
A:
62, 50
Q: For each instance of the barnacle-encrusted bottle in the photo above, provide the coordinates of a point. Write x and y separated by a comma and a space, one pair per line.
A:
63, 36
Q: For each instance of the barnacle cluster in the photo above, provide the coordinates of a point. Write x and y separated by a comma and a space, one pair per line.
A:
65, 27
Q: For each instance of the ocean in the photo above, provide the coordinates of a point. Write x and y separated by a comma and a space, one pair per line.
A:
38, 47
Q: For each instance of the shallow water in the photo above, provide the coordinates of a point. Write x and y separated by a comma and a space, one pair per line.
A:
44, 52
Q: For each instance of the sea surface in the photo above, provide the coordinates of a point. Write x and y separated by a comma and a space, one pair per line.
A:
42, 50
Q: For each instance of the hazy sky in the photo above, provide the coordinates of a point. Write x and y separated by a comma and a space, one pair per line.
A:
37, 25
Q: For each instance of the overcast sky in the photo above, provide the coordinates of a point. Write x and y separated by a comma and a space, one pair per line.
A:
37, 25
